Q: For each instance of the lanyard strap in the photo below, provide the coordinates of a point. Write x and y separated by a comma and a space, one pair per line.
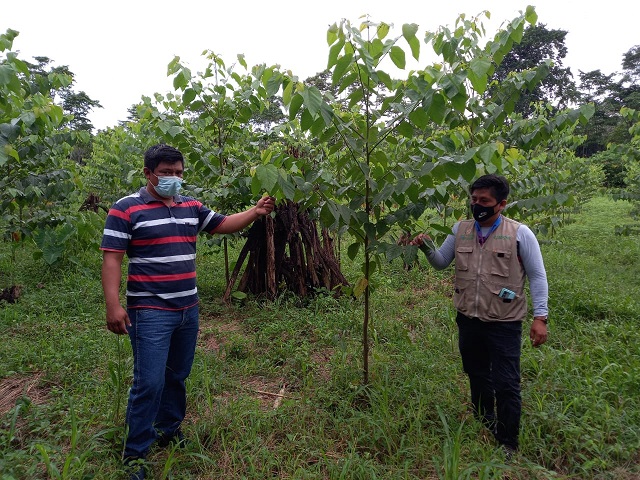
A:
483, 238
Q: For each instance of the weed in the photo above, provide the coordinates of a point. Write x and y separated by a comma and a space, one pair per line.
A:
581, 409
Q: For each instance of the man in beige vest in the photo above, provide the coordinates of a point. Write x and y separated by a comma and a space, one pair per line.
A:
493, 255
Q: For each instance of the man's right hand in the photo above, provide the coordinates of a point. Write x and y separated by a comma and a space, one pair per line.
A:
118, 320
420, 240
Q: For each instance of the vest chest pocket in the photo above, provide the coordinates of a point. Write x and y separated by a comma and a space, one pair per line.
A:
500, 262
463, 257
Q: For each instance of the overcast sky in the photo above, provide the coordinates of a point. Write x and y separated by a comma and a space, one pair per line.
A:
119, 50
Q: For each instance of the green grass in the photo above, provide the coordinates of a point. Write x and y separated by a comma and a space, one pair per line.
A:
581, 401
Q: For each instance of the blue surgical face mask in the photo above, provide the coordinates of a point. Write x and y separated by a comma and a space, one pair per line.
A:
168, 186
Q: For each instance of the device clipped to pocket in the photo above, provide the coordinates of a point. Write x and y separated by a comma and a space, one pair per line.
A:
507, 295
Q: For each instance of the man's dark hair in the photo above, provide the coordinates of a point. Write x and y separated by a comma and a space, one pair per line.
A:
496, 183
162, 153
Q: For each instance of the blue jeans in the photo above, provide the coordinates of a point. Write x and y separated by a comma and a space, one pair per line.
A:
163, 343
490, 354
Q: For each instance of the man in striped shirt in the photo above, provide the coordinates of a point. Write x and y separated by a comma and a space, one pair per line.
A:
157, 229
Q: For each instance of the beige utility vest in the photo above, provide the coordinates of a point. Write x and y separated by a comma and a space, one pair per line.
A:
482, 271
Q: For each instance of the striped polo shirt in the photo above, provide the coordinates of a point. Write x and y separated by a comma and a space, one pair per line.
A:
160, 242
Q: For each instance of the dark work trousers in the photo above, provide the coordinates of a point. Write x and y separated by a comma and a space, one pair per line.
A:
490, 354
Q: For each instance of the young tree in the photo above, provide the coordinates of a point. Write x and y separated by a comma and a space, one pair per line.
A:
39, 194
418, 142
34, 146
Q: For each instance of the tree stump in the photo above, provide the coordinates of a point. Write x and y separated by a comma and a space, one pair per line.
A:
286, 252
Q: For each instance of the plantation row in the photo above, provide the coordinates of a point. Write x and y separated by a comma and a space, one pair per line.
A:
364, 152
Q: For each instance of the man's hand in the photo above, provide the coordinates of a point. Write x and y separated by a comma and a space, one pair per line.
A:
538, 332
420, 239
265, 205
424, 243
118, 320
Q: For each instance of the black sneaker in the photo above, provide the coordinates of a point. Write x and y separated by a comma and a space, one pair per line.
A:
135, 468
177, 438
509, 453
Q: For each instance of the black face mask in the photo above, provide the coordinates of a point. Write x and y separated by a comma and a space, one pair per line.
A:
481, 213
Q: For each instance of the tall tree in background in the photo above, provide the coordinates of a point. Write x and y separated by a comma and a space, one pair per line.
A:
610, 93
601, 90
538, 46
630, 83
76, 105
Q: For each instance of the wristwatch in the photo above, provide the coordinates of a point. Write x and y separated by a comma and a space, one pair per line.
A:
542, 319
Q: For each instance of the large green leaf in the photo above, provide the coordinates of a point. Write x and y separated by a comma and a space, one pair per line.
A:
181, 80
459, 102
288, 188
352, 251
273, 85
385, 78
468, 169
409, 31
306, 120
342, 65
370, 230
296, 102
398, 57
419, 118
4, 157
486, 152
478, 73
360, 286
6, 74
332, 34
530, 15
312, 99
382, 31
438, 108
175, 130
355, 96
405, 129
188, 96
334, 52
267, 176
287, 92
318, 126
329, 215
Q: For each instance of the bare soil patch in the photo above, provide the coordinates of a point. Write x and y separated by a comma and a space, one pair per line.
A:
14, 387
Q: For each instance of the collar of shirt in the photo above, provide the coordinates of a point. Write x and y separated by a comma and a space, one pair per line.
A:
147, 197
483, 238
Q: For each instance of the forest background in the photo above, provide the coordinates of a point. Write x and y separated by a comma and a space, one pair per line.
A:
358, 160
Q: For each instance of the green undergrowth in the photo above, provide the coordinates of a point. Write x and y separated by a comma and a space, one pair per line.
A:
276, 388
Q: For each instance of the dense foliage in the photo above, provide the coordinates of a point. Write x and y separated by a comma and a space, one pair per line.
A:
370, 152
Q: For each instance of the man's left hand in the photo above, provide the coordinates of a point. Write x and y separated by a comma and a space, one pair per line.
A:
265, 205
538, 333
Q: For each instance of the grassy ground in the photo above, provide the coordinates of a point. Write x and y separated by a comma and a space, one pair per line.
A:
276, 388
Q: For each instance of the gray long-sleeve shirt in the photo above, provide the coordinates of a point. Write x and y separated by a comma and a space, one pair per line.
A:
530, 254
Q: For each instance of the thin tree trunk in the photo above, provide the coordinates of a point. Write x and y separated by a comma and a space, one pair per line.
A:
270, 273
